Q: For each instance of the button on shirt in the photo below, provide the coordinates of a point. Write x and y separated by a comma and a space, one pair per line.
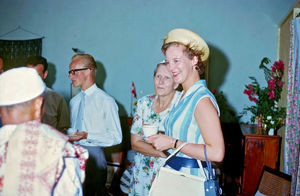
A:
100, 119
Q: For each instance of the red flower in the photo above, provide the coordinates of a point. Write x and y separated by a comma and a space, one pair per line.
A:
247, 92
271, 94
253, 99
272, 84
214, 91
250, 93
280, 65
1, 181
152, 97
266, 98
151, 163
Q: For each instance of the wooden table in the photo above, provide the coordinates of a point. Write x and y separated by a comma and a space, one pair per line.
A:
259, 150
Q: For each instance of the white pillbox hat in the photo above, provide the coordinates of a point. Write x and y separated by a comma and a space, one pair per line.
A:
19, 85
188, 38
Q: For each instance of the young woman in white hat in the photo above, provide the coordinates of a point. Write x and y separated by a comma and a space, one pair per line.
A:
195, 118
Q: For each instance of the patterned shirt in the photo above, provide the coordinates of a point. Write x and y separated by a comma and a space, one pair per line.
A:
36, 159
145, 167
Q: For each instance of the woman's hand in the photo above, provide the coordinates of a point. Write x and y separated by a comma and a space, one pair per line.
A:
143, 147
161, 142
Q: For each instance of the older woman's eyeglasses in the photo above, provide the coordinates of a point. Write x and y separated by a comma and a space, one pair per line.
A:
73, 71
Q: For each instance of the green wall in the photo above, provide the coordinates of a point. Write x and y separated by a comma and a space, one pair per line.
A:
125, 37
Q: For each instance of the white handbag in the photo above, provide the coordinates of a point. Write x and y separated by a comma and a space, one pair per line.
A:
169, 182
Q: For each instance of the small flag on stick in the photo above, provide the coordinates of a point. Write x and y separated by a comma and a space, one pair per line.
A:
133, 92
133, 96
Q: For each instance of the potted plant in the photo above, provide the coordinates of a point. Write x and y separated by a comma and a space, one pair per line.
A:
265, 111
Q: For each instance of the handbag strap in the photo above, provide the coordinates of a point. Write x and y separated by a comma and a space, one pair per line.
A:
173, 154
208, 163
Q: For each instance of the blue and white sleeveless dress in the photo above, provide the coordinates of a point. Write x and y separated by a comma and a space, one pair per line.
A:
181, 123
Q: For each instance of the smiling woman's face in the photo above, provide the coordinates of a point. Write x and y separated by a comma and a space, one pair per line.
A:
178, 62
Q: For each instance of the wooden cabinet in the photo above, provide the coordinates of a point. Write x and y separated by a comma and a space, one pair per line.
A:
259, 150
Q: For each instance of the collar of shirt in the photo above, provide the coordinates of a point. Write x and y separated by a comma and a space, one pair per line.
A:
90, 90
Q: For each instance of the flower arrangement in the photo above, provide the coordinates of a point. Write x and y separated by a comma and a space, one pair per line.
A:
266, 112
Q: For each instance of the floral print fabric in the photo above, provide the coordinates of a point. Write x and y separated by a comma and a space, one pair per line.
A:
145, 167
292, 137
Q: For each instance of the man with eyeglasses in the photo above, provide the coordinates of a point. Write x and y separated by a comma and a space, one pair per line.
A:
94, 120
56, 111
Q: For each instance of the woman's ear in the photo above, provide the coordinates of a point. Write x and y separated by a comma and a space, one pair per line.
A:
195, 63
195, 60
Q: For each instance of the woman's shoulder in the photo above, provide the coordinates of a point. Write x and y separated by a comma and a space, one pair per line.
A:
206, 93
200, 90
147, 98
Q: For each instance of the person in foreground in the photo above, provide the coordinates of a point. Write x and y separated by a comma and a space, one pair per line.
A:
194, 120
35, 158
95, 121
151, 110
56, 111
1, 71
1, 65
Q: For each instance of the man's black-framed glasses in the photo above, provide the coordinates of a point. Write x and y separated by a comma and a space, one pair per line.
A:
73, 71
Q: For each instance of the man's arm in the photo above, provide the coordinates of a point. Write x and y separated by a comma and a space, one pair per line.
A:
70, 181
104, 127
63, 117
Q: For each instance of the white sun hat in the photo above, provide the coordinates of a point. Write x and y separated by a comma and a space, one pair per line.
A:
19, 85
188, 38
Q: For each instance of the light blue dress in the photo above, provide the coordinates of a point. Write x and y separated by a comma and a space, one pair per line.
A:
181, 123
145, 167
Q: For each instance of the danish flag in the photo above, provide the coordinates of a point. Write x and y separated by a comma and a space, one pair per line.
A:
132, 90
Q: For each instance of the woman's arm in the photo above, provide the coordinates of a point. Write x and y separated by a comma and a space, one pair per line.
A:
137, 142
208, 121
141, 146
